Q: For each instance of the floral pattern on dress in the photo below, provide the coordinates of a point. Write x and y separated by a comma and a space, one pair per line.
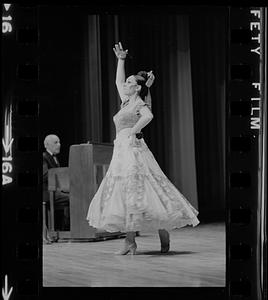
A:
133, 189
135, 193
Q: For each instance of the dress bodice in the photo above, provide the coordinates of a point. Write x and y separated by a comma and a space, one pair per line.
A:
128, 115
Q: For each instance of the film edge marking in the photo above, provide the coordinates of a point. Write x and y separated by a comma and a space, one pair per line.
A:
6, 20
7, 141
5, 292
255, 28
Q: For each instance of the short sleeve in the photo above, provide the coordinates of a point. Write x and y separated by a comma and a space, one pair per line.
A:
141, 104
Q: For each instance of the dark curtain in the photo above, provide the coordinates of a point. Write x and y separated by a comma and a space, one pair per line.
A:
208, 34
92, 108
60, 57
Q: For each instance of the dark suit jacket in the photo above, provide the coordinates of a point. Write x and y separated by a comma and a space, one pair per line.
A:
48, 163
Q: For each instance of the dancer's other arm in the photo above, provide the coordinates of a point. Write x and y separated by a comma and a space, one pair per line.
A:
146, 117
150, 81
145, 112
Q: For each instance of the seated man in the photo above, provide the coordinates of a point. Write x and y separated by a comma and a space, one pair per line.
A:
52, 146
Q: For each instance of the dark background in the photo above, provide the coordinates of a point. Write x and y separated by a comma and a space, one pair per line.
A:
61, 86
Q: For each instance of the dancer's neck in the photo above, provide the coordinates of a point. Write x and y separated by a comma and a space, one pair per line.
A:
133, 98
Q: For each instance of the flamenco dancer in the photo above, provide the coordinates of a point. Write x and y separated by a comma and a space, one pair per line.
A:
135, 194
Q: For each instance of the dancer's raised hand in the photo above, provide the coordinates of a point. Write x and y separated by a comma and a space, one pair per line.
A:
119, 51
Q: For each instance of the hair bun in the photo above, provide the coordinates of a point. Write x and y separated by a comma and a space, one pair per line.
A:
143, 74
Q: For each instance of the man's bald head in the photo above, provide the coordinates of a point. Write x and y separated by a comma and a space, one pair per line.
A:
52, 143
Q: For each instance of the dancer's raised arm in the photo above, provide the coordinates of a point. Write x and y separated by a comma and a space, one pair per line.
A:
120, 71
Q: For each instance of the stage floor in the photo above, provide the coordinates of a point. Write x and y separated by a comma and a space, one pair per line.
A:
196, 259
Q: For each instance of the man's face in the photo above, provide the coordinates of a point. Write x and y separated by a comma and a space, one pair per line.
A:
54, 144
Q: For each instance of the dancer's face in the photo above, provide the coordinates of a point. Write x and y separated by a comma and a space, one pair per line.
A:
130, 86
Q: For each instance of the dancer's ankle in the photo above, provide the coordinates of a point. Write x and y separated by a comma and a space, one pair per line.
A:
130, 237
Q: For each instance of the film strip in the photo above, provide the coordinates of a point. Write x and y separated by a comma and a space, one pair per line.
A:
245, 162
21, 162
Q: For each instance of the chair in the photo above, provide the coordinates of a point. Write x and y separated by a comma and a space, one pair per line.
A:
58, 180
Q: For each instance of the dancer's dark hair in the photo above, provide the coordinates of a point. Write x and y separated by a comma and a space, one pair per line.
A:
141, 79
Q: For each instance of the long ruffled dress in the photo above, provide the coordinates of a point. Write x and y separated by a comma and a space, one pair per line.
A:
135, 194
